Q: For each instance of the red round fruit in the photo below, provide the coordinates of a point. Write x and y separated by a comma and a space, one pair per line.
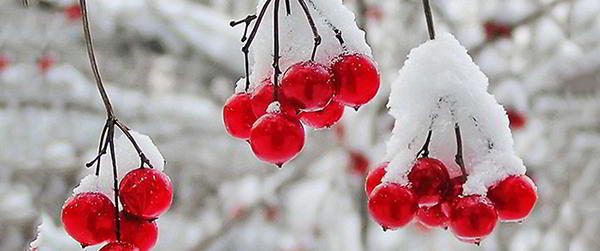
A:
374, 177
516, 119
392, 205
307, 85
432, 216
89, 218
359, 163
119, 246
276, 138
238, 115
141, 233
72, 12
45, 62
325, 118
494, 29
263, 97
356, 80
429, 179
146, 193
514, 197
472, 217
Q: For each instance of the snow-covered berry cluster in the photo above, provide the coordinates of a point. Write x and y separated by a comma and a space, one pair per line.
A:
269, 111
466, 176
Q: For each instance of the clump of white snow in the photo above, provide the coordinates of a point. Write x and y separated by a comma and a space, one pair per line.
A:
439, 86
274, 107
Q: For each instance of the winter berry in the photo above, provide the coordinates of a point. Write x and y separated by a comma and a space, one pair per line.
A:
324, 118
355, 79
4, 62
44, 63
514, 197
374, 177
238, 116
516, 119
359, 163
429, 179
119, 246
276, 138
472, 218
432, 216
392, 205
89, 218
141, 233
494, 29
146, 193
72, 12
263, 97
307, 85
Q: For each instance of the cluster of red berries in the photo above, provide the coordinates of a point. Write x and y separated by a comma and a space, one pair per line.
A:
90, 217
310, 93
436, 200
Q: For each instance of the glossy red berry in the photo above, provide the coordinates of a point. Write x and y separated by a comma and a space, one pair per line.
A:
307, 85
89, 218
392, 205
72, 12
263, 97
238, 116
325, 118
472, 218
432, 216
276, 138
429, 179
146, 193
356, 80
374, 177
514, 197
517, 120
119, 246
141, 233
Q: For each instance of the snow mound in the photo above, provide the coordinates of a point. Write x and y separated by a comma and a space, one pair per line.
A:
439, 86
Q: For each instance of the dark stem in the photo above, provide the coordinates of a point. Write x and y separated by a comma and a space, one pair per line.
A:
276, 70
458, 158
26, 3
92, 57
429, 19
288, 9
424, 152
111, 135
336, 31
125, 130
313, 27
246, 47
246, 21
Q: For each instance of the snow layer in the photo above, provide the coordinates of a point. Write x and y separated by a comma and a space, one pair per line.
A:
438, 86
296, 38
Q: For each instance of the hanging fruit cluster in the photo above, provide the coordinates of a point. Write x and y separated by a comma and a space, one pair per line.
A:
90, 216
271, 114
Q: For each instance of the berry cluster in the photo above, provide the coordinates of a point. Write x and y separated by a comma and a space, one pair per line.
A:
271, 115
495, 29
436, 200
90, 217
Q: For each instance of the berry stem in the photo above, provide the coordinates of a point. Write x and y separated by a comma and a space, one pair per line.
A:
276, 70
125, 130
429, 19
113, 158
424, 152
315, 32
288, 9
458, 158
246, 47
336, 31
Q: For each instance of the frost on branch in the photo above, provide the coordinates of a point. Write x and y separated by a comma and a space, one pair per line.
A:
439, 86
296, 37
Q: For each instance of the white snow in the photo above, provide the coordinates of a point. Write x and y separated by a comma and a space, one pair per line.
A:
438, 86
274, 107
296, 37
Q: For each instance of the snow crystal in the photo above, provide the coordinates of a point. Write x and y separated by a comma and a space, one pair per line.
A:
296, 37
439, 86
127, 160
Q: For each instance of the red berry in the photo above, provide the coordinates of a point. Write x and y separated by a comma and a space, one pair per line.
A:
263, 97
141, 233
4, 62
494, 29
238, 115
514, 197
307, 85
374, 177
432, 216
356, 80
44, 63
472, 218
392, 205
119, 246
516, 119
325, 118
146, 193
359, 163
429, 179
276, 138
72, 12
89, 218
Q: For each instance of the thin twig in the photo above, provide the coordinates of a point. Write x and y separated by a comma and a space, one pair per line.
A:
111, 135
429, 19
458, 158
313, 27
246, 47
276, 70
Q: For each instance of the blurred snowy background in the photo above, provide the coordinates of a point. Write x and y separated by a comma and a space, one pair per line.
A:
171, 64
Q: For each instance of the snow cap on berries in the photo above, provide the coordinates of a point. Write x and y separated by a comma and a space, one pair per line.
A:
274, 107
439, 86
